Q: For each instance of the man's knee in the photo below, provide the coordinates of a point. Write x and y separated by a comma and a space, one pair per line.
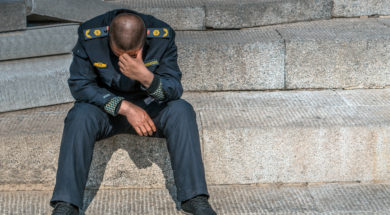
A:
85, 115
181, 108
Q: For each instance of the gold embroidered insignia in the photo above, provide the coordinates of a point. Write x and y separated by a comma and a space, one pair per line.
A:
100, 65
151, 63
158, 33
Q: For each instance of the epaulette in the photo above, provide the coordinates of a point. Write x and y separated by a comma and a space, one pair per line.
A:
93, 33
158, 33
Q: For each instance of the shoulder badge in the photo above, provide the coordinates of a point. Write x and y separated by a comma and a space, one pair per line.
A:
158, 33
93, 33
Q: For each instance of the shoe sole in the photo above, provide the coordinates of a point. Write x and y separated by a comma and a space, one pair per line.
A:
185, 212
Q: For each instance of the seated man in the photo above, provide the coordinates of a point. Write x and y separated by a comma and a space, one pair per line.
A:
125, 79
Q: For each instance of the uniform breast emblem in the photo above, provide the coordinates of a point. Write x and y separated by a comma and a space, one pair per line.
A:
151, 63
100, 65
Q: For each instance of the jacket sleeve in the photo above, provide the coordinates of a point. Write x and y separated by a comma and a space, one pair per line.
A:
166, 85
83, 83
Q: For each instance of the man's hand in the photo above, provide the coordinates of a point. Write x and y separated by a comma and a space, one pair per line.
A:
133, 67
138, 118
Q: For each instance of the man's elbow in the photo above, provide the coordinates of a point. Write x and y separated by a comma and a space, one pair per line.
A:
179, 90
173, 93
75, 89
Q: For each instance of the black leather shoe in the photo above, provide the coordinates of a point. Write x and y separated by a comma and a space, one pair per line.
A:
199, 205
64, 208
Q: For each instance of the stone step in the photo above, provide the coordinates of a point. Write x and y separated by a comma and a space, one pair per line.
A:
324, 199
12, 15
246, 137
199, 53
69, 10
192, 14
34, 82
38, 41
180, 14
231, 60
341, 53
352, 53
231, 14
351, 8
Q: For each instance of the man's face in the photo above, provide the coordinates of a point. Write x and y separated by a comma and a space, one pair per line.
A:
119, 52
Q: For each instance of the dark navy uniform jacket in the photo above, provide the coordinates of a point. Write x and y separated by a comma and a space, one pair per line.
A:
94, 73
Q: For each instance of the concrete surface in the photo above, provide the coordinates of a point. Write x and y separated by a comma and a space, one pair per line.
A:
385, 21
217, 14
70, 10
296, 136
38, 41
28, 133
34, 82
247, 137
179, 14
192, 14
324, 199
352, 8
231, 60
119, 161
320, 54
222, 14
352, 53
12, 15
205, 59
182, 16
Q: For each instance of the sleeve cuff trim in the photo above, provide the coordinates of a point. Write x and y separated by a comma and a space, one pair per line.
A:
111, 106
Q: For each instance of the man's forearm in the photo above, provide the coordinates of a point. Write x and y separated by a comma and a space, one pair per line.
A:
118, 104
147, 78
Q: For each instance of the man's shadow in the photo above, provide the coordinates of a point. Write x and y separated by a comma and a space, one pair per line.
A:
119, 171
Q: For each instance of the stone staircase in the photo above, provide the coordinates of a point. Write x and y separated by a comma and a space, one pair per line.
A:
291, 96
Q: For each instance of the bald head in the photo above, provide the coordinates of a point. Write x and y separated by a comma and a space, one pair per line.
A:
127, 32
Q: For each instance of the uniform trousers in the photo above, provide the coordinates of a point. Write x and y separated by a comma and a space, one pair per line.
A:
85, 124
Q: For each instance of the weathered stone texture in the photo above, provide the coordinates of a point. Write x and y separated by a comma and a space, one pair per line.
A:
281, 133
231, 60
385, 21
180, 15
12, 15
351, 198
30, 142
193, 14
337, 54
249, 13
324, 199
38, 41
34, 82
321, 54
121, 161
238, 60
71, 10
247, 137
351, 8
289, 155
